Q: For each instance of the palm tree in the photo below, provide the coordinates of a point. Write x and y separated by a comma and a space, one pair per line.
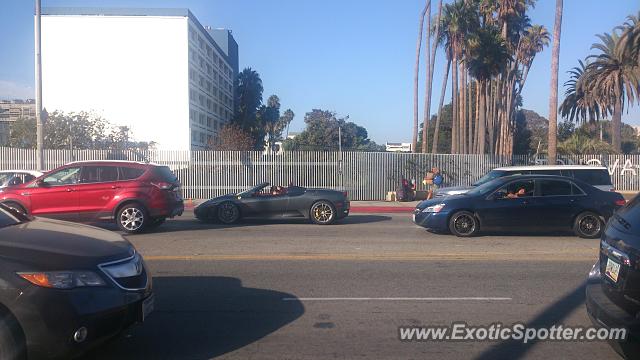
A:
429, 90
535, 39
580, 104
416, 76
614, 78
553, 92
488, 56
630, 39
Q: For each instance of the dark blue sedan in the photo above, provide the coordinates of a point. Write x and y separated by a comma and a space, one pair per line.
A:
522, 203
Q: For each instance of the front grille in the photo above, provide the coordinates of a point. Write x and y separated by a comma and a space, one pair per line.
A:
128, 274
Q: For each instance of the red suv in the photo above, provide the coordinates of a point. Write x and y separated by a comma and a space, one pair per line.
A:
138, 196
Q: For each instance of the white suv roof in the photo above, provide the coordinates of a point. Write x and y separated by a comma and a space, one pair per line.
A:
550, 167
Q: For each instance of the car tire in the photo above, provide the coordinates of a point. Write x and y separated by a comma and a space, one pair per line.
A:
132, 218
15, 206
464, 224
322, 213
228, 213
588, 225
12, 345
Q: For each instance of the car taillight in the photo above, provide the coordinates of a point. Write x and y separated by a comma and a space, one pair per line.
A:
163, 185
621, 202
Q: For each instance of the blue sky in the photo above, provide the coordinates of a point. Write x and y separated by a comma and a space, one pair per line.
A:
354, 57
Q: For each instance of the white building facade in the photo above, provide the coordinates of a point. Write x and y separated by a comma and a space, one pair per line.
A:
157, 71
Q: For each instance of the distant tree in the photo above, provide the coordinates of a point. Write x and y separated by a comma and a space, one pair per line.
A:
565, 130
248, 100
81, 130
580, 144
442, 122
322, 134
232, 138
269, 117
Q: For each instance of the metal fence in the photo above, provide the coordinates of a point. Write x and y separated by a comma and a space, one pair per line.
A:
366, 176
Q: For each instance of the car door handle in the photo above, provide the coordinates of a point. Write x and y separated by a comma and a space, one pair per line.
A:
115, 187
70, 190
26, 194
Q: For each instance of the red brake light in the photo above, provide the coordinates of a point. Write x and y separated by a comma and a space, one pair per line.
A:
622, 202
162, 185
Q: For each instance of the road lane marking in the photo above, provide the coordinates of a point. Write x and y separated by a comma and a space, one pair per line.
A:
400, 299
519, 256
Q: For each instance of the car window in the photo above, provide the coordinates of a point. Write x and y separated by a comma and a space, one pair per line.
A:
555, 188
98, 174
130, 173
166, 174
28, 178
516, 189
593, 176
491, 175
575, 190
65, 176
546, 172
5, 177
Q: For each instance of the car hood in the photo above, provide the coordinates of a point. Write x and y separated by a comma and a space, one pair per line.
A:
59, 245
219, 199
454, 189
442, 200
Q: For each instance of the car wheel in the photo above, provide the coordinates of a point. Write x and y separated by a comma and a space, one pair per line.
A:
15, 206
322, 213
464, 224
588, 225
132, 218
11, 345
228, 213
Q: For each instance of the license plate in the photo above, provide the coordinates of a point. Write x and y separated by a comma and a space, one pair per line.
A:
612, 270
147, 306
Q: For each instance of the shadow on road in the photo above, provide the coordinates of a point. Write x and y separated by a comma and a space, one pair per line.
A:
202, 318
363, 219
554, 314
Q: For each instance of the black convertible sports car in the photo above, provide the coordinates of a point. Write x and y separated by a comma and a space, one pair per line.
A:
322, 206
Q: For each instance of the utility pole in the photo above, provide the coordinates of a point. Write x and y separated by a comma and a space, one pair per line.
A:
340, 155
39, 130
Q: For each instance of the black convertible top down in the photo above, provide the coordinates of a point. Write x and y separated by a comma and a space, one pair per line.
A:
322, 206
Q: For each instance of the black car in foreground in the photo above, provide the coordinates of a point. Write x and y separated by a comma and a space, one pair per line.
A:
322, 206
522, 203
613, 285
65, 287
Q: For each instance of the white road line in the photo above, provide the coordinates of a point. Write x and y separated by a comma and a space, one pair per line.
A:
400, 299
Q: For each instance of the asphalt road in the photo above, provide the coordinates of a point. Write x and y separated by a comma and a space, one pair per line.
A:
291, 290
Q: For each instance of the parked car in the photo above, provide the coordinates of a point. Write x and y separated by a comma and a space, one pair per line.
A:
17, 177
135, 195
597, 176
65, 287
522, 202
322, 206
613, 285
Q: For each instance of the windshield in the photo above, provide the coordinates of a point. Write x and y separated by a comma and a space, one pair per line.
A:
486, 187
254, 189
9, 217
493, 174
4, 178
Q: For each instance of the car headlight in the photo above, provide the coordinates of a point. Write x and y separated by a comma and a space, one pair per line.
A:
433, 209
63, 279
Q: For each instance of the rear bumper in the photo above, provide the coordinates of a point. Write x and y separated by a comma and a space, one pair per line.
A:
605, 313
343, 209
170, 210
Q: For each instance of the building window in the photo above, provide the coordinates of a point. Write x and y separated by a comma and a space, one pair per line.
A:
201, 100
209, 121
192, 94
194, 136
192, 115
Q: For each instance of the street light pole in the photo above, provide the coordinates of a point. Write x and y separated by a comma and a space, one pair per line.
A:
39, 130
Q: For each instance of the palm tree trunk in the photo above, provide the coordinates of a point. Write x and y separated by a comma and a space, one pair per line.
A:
427, 96
616, 124
553, 91
454, 103
470, 115
482, 119
476, 134
416, 79
432, 62
436, 130
462, 114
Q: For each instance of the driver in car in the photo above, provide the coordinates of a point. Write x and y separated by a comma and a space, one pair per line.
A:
521, 192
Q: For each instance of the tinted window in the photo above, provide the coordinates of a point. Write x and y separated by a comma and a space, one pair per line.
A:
97, 174
546, 172
516, 189
554, 188
4, 178
166, 174
8, 218
130, 173
64, 177
593, 177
